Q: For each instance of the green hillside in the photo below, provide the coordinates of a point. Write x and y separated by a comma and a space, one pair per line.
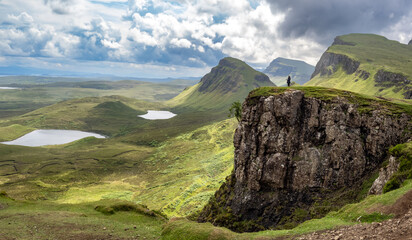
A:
34, 95
280, 68
366, 63
107, 115
228, 82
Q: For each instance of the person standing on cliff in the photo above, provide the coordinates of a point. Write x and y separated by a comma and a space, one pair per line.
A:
288, 81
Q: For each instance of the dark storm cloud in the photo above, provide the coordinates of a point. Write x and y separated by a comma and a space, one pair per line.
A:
323, 19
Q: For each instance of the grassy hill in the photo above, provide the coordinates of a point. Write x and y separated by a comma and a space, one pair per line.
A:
177, 175
280, 68
231, 80
366, 63
34, 95
112, 115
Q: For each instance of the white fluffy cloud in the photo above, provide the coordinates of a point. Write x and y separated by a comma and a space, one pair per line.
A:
193, 33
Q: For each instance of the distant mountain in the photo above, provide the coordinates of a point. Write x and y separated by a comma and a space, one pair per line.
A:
231, 80
280, 68
366, 63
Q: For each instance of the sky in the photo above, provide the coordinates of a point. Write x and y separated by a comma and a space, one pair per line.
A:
182, 38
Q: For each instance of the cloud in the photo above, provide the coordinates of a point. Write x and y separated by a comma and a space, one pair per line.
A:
194, 34
21, 37
60, 6
24, 18
324, 19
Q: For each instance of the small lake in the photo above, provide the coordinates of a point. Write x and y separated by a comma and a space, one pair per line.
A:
8, 88
155, 115
39, 138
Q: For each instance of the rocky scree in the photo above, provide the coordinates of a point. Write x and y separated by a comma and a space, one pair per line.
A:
292, 152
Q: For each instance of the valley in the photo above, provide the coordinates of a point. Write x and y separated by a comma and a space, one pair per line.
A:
192, 171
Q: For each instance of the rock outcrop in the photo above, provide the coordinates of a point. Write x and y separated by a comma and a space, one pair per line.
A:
339, 41
329, 63
280, 68
293, 151
385, 174
388, 79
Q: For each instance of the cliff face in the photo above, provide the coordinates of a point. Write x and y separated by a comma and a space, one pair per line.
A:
368, 64
292, 150
280, 68
329, 62
389, 79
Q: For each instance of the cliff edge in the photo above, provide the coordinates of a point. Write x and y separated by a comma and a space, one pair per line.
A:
301, 152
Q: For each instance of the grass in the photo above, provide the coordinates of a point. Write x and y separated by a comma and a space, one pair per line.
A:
181, 173
228, 82
33, 95
13, 131
403, 153
113, 115
374, 53
348, 215
365, 103
45, 220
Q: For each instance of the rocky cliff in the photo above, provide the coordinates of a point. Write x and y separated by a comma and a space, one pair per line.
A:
280, 68
367, 64
301, 152
230, 81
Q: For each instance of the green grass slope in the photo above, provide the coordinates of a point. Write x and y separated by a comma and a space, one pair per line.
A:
33, 95
228, 82
373, 53
177, 175
112, 115
39, 220
280, 68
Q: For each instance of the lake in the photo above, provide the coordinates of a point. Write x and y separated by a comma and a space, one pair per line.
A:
39, 138
8, 88
155, 115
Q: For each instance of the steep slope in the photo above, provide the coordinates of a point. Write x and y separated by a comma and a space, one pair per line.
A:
280, 68
231, 80
368, 64
301, 152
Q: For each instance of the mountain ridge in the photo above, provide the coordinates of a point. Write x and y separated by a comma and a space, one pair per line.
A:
366, 63
231, 80
280, 68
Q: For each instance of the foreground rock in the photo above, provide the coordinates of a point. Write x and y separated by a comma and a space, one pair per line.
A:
300, 154
385, 174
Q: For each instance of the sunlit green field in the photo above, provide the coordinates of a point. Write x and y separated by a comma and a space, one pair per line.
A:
177, 175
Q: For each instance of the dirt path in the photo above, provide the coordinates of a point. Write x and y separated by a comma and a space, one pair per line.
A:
398, 228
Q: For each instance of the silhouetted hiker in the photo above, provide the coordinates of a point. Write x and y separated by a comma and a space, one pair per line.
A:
288, 81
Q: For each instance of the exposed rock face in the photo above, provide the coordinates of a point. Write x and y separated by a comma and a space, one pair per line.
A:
280, 68
410, 42
389, 79
339, 41
291, 150
384, 175
332, 60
